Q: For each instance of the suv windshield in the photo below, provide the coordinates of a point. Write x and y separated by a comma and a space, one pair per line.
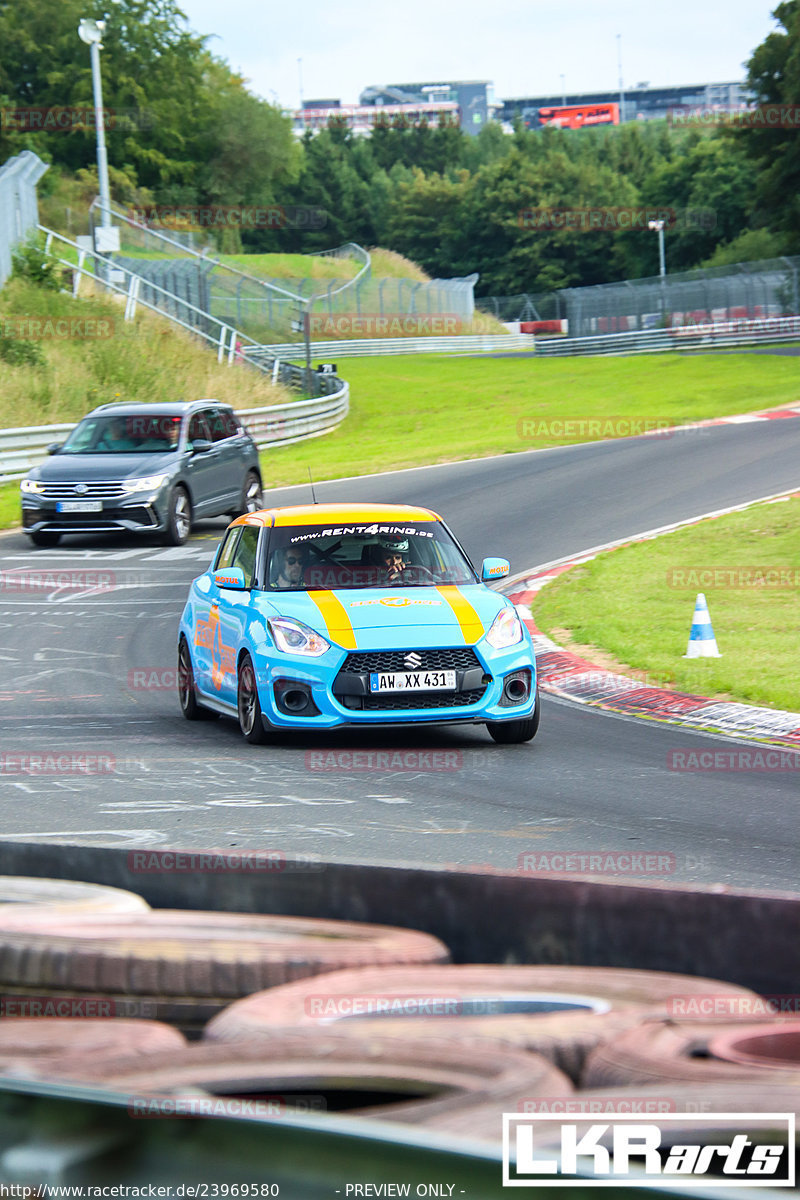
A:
134, 433
313, 558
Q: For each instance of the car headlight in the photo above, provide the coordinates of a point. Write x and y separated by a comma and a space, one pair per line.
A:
147, 483
31, 485
293, 637
506, 629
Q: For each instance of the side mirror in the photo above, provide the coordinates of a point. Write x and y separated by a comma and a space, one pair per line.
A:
232, 578
53, 448
201, 446
494, 568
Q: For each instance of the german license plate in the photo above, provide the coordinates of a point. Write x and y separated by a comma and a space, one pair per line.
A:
412, 681
79, 506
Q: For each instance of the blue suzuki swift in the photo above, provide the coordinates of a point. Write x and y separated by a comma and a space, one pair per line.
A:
361, 614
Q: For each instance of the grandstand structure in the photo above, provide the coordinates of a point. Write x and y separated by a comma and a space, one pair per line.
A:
640, 103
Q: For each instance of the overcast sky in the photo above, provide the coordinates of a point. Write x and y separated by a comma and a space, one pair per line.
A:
523, 46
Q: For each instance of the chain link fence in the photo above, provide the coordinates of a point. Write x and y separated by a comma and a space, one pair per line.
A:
745, 291
19, 211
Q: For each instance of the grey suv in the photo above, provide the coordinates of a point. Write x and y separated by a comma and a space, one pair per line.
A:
143, 468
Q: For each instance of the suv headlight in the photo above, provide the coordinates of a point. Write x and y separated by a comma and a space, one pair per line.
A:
506, 629
148, 483
31, 485
293, 637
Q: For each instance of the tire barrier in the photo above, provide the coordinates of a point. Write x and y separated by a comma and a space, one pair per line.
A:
677, 1052
65, 895
485, 1120
399, 1079
29, 1045
559, 1012
184, 966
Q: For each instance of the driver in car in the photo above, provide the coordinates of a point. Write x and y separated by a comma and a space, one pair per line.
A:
392, 556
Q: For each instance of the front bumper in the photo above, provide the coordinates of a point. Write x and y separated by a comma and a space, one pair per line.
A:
138, 516
341, 695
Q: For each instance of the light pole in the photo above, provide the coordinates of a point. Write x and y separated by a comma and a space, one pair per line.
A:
621, 89
659, 226
91, 32
563, 93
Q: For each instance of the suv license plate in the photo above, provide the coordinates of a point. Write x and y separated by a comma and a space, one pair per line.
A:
412, 681
79, 506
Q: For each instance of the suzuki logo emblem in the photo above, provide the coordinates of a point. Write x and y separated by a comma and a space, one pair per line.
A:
412, 660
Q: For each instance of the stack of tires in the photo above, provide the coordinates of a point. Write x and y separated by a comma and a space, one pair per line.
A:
364, 1020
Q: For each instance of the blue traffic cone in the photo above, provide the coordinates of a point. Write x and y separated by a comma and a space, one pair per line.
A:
702, 643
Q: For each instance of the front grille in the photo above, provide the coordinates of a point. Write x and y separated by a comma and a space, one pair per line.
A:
405, 700
108, 518
459, 658
94, 489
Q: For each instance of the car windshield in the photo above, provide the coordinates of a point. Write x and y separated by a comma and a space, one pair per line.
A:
314, 558
133, 433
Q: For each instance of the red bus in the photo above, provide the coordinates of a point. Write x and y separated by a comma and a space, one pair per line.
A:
575, 116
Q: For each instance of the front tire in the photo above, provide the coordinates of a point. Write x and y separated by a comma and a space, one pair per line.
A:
250, 717
179, 517
252, 497
43, 538
187, 692
510, 733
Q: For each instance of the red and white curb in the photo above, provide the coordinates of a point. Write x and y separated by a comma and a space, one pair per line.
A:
565, 674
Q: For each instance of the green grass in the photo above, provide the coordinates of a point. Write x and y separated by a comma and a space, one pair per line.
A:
636, 604
147, 359
416, 409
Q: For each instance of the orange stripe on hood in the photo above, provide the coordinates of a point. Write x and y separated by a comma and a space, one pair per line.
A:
337, 622
468, 619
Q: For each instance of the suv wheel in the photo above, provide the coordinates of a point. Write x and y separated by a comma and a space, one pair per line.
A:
43, 538
179, 517
252, 499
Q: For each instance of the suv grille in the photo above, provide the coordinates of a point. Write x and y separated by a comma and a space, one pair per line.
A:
94, 489
460, 658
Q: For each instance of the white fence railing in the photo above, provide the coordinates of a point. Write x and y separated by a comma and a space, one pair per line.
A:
683, 337
352, 348
280, 425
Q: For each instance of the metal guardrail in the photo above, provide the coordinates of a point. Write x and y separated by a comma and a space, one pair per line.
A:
684, 337
357, 348
280, 425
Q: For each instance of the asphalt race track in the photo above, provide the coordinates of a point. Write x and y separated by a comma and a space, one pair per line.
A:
87, 682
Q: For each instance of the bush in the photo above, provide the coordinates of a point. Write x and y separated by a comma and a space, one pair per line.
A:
20, 353
31, 262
